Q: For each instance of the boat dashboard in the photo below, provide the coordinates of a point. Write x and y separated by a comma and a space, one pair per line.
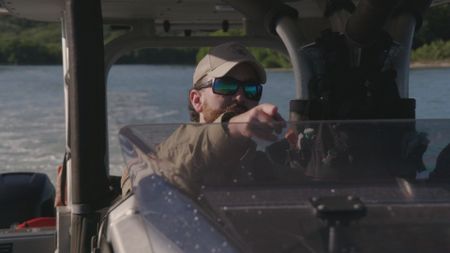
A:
359, 186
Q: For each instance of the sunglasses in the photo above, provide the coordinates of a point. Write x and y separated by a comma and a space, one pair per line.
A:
230, 86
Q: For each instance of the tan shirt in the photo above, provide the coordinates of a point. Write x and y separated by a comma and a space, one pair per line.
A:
197, 155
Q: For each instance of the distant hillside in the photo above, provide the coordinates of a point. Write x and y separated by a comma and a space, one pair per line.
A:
28, 42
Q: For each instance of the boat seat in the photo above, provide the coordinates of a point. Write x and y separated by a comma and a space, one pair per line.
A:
25, 195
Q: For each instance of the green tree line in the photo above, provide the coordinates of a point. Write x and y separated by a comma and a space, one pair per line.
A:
28, 42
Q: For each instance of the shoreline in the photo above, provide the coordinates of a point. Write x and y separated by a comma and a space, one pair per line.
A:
412, 65
431, 64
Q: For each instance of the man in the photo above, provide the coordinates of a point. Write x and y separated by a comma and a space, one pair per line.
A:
227, 87
228, 81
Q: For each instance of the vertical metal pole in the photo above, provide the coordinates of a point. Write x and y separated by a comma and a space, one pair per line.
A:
63, 212
87, 119
401, 28
289, 33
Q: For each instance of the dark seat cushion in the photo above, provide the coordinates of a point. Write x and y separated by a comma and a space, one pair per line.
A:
23, 196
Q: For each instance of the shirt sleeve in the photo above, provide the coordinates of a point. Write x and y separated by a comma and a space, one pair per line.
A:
198, 151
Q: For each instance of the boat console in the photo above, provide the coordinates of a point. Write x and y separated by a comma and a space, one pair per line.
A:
393, 197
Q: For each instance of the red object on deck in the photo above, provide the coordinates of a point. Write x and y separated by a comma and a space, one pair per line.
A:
38, 223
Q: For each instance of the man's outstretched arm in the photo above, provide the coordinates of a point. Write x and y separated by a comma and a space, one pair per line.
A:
262, 121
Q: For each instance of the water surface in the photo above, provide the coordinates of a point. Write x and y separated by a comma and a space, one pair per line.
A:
32, 106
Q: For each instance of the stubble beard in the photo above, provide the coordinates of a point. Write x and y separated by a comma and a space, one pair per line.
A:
210, 115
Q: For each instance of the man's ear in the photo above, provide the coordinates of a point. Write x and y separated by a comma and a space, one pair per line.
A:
196, 101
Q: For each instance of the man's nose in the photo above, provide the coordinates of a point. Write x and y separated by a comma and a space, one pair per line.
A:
239, 96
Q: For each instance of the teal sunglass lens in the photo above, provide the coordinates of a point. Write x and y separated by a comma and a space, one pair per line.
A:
225, 87
230, 87
253, 91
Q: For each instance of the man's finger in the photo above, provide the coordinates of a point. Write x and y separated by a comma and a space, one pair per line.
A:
278, 117
272, 112
274, 121
268, 109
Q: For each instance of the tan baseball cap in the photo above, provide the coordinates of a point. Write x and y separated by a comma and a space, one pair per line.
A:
222, 58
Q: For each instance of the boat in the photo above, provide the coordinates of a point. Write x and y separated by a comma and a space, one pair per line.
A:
382, 186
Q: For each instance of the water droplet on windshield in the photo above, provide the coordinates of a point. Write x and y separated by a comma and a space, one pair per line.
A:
235, 181
333, 190
196, 218
225, 208
197, 246
259, 212
253, 196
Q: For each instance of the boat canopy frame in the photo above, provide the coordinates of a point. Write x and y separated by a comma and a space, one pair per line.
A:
89, 60
85, 66
89, 189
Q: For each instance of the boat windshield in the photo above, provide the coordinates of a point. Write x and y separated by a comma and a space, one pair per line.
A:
355, 184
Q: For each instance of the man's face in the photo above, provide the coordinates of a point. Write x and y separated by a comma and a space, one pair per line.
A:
213, 105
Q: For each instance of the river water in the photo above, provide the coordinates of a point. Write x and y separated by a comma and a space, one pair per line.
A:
32, 106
